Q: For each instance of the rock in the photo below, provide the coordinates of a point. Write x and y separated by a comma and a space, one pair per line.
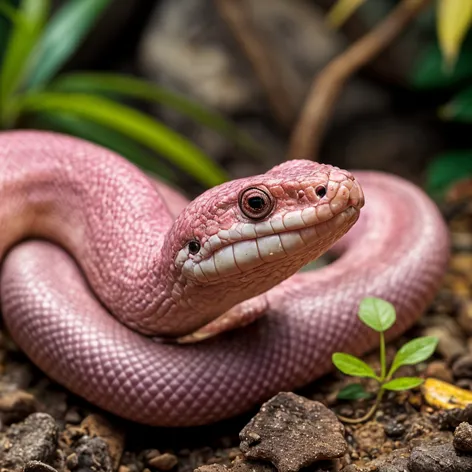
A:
396, 461
98, 426
465, 316
293, 432
37, 466
450, 419
252, 466
438, 458
463, 437
92, 454
34, 439
370, 437
15, 406
164, 461
462, 367
393, 429
439, 370
212, 468
239, 466
73, 416
451, 342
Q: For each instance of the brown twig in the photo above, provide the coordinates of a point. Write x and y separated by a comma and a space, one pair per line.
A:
327, 86
261, 58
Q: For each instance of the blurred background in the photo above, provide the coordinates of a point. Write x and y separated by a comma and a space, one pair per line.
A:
169, 84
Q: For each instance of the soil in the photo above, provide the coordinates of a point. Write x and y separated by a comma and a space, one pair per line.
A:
45, 428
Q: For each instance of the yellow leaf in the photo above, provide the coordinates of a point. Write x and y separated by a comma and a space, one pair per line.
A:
444, 395
454, 18
341, 11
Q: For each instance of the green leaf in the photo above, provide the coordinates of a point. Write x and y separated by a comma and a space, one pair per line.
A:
459, 108
454, 20
25, 31
133, 124
106, 137
353, 391
446, 169
415, 351
428, 72
403, 383
352, 365
62, 36
144, 90
7, 18
376, 313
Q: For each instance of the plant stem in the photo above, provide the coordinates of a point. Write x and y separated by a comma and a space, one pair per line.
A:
369, 414
328, 85
383, 366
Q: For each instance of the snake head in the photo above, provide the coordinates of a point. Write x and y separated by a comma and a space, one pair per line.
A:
239, 239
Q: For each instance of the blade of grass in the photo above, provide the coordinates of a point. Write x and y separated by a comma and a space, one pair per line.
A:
106, 137
132, 123
62, 36
147, 91
25, 31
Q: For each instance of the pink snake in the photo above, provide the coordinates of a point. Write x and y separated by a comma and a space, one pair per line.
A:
110, 244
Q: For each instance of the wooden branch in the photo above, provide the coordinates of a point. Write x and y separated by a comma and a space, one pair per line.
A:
326, 88
262, 60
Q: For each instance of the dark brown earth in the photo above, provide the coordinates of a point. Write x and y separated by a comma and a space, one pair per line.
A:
45, 428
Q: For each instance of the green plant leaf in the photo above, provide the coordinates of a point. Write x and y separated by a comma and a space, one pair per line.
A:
25, 30
415, 351
133, 124
353, 391
454, 20
143, 90
459, 108
446, 169
352, 365
106, 137
62, 36
376, 313
428, 72
403, 383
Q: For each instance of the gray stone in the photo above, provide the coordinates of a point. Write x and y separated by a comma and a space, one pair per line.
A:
293, 432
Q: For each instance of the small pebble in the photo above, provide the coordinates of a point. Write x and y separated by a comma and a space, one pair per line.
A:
72, 461
37, 466
463, 437
465, 316
394, 429
164, 461
462, 367
439, 370
16, 406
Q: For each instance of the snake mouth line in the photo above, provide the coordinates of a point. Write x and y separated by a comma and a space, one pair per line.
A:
242, 255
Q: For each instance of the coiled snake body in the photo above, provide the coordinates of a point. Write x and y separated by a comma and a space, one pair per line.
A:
109, 243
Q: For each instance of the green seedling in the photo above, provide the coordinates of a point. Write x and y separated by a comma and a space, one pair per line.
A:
380, 316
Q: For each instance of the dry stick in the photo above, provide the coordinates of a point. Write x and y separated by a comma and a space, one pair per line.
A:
260, 57
326, 88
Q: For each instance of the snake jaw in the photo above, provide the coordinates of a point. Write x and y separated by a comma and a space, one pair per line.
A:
302, 226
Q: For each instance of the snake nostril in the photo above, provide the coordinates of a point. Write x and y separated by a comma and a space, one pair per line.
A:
320, 191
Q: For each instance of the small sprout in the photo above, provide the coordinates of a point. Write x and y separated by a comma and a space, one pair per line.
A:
352, 365
353, 391
380, 316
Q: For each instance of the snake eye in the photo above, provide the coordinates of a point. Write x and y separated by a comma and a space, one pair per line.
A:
193, 247
255, 203
320, 191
